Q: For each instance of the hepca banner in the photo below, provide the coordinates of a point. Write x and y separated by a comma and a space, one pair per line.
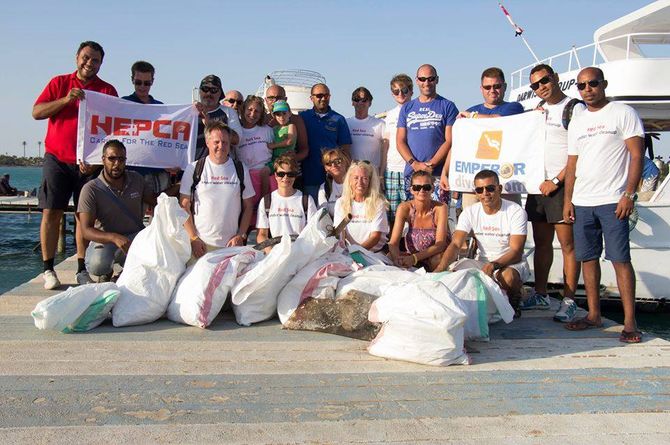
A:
161, 136
512, 146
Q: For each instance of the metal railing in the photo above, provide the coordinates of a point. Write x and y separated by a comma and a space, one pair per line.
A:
297, 77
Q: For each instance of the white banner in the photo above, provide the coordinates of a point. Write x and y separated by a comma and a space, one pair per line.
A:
512, 146
161, 136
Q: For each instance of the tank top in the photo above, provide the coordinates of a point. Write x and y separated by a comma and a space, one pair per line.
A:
418, 239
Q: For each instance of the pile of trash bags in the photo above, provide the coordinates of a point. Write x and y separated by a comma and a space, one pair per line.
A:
312, 283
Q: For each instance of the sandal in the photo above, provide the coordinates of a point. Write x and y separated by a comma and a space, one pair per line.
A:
630, 337
582, 324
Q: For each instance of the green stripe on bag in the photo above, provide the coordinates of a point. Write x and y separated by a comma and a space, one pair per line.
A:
482, 306
95, 313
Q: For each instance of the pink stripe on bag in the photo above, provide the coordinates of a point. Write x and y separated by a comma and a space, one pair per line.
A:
212, 285
324, 272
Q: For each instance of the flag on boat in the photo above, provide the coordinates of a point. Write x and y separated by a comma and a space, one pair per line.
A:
512, 146
161, 136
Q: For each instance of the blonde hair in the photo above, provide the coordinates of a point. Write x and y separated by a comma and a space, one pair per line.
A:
373, 197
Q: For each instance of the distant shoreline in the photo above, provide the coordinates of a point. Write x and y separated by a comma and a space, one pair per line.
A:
16, 161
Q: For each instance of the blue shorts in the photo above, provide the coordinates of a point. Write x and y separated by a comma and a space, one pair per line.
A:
592, 224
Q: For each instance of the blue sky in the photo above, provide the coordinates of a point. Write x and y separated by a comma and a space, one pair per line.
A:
350, 43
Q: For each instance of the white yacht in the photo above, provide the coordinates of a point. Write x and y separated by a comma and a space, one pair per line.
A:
297, 83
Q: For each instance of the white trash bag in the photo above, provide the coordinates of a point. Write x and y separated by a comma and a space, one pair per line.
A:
78, 309
318, 279
373, 279
255, 294
156, 260
418, 326
203, 288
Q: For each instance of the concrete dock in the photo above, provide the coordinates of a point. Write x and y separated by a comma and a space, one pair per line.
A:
534, 382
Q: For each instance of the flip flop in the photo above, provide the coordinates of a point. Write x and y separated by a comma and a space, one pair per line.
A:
582, 324
630, 337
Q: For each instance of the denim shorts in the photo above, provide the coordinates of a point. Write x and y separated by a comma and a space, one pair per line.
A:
592, 224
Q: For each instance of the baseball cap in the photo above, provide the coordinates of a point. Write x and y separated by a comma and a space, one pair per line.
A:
280, 105
211, 80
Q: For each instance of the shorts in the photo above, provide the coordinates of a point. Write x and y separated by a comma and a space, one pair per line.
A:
394, 182
60, 182
521, 267
592, 224
547, 209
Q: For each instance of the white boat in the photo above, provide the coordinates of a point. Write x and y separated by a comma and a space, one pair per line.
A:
297, 83
634, 53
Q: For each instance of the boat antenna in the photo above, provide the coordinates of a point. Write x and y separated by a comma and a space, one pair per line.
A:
518, 31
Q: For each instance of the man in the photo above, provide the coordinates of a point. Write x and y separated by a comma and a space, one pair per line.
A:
62, 178
111, 211
394, 175
326, 129
142, 76
221, 212
272, 95
493, 89
211, 110
234, 100
545, 210
499, 227
424, 130
605, 151
368, 140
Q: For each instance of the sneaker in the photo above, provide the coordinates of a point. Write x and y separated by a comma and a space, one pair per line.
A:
51, 280
83, 278
566, 313
535, 301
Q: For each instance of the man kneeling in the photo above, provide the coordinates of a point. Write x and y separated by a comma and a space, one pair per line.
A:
111, 211
499, 227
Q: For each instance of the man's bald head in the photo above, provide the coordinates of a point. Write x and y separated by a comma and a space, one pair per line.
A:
277, 91
426, 70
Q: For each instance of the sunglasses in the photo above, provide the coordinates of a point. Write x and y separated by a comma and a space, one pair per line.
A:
535, 85
359, 99
275, 97
212, 90
146, 83
335, 162
489, 188
592, 83
114, 159
321, 95
424, 187
495, 86
426, 79
234, 101
289, 174
405, 91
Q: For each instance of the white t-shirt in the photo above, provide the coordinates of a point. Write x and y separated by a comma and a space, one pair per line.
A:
360, 227
217, 200
335, 193
598, 138
287, 215
556, 142
394, 162
366, 139
253, 150
493, 231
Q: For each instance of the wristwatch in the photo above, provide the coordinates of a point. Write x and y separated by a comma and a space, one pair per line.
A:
411, 161
556, 181
631, 196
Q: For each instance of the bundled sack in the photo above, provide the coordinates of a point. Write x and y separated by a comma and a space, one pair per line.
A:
480, 296
373, 279
155, 261
203, 288
347, 316
422, 323
318, 279
78, 309
255, 293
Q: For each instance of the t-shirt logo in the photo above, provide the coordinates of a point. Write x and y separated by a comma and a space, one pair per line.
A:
490, 144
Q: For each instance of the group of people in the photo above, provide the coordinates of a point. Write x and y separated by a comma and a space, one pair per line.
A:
259, 165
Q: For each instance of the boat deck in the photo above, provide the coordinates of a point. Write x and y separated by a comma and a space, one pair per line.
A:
534, 382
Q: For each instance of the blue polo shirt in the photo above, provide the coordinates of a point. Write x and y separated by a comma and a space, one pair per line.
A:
133, 98
504, 109
323, 133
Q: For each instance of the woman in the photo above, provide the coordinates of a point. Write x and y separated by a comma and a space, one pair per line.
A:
336, 163
286, 210
428, 234
362, 199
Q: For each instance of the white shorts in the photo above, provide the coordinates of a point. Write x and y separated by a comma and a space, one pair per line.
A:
467, 263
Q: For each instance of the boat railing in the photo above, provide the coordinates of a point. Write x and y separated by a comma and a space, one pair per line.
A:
593, 54
294, 77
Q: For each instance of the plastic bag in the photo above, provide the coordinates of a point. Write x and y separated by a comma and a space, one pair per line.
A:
156, 260
418, 325
373, 279
203, 288
78, 309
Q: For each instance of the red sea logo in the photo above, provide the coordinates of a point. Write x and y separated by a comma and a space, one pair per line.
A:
490, 144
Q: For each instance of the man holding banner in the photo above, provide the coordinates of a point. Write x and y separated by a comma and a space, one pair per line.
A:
62, 178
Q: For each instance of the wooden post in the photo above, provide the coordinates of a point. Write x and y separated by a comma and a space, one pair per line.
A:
61, 234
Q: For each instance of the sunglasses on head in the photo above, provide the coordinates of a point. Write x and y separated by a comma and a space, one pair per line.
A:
489, 188
404, 91
535, 85
592, 83
234, 101
427, 79
212, 90
495, 86
321, 95
289, 174
424, 187
335, 162
146, 83
359, 99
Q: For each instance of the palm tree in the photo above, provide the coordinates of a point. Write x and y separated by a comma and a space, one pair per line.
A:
24, 148
39, 148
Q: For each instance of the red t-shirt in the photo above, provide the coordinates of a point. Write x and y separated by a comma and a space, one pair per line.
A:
61, 138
